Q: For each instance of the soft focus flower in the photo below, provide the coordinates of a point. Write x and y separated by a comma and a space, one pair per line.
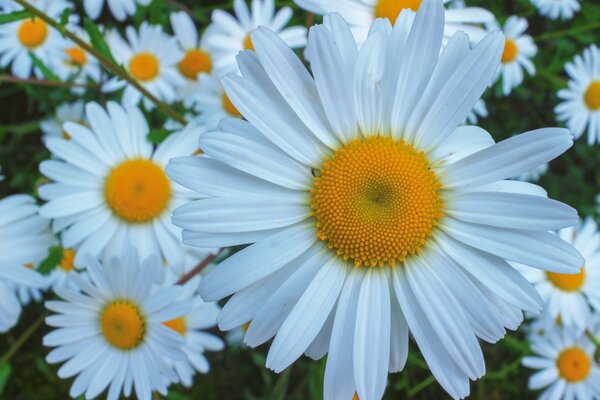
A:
67, 112
120, 9
211, 102
479, 110
554, 9
76, 65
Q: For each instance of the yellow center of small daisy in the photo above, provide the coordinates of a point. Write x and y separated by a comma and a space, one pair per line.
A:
248, 45
177, 324
195, 62
123, 325
67, 261
144, 66
573, 364
77, 56
592, 96
567, 282
137, 191
376, 201
510, 51
32, 32
229, 107
390, 9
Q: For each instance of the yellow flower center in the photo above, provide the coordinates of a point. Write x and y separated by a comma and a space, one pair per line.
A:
567, 282
376, 201
137, 191
573, 364
32, 32
229, 107
248, 45
592, 96
390, 9
510, 51
195, 62
77, 56
123, 325
144, 66
68, 257
177, 324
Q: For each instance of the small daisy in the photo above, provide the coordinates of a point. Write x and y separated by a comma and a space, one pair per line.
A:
59, 277
479, 110
572, 297
567, 367
360, 14
553, 9
110, 190
191, 327
120, 9
111, 332
19, 38
150, 57
74, 64
518, 51
211, 102
24, 241
230, 35
368, 210
67, 112
581, 100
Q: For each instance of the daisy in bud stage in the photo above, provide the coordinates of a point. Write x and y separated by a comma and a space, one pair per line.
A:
111, 333
120, 9
370, 212
67, 112
110, 190
24, 241
572, 297
554, 9
360, 14
519, 48
567, 369
19, 38
150, 57
581, 100
231, 34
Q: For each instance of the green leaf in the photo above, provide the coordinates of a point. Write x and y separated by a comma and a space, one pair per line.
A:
14, 16
48, 74
156, 136
51, 262
5, 371
97, 39
64, 17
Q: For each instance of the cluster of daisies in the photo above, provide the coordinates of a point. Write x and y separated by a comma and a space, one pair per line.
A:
341, 165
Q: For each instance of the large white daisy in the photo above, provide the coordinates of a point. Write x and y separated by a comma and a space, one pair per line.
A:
581, 100
519, 48
24, 241
572, 297
372, 213
150, 57
120, 9
231, 34
567, 367
554, 9
111, 334
19, 38
110, 190
360, 14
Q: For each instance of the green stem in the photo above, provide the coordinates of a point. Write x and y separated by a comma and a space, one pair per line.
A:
22, 339
22, 128
105, 62
44, 82
567, 32
421, 385
593, 339
198, 268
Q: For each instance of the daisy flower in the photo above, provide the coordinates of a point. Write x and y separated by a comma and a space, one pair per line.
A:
67, 112
24, 241
369, 211
479, 110
360, 14
534, 174
554, 9
111, 332
150, 57
567, 367
191, 327
73, 63
120, 9
572, 297
211, 102
231, 34
59, 277
518, 51
33, 35
109, 187
581, 100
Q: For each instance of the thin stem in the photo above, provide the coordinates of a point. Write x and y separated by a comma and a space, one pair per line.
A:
210, 258
567, 32
593, 339
105, 62
182, 7
45, 82
22, 339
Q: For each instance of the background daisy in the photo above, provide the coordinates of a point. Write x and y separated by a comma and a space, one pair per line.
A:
120, 9
211, 102
67, 112
75, 65
554, 9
